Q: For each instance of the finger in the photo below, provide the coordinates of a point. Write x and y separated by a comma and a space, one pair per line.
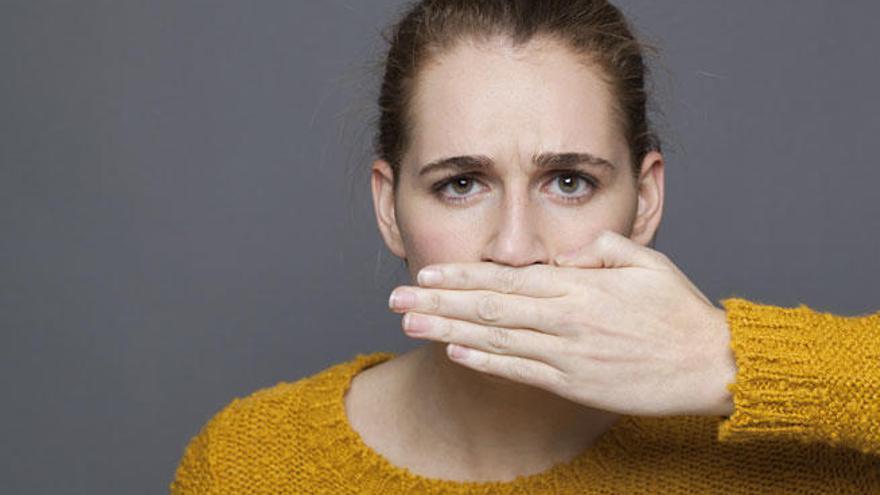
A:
490, 308
514, 368
532, 280
612, 250
498, 340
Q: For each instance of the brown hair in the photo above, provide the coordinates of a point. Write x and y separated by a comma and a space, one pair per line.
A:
594, 29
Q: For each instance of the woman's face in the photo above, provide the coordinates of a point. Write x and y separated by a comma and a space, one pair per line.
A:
520, 127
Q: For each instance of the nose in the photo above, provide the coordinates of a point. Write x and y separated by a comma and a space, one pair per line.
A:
516, 237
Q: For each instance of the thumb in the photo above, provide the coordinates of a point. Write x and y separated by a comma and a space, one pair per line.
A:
611, 250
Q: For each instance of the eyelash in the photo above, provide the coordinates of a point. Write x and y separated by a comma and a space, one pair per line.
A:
439, 186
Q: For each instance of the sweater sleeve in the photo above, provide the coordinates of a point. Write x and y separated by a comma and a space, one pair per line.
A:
804, 374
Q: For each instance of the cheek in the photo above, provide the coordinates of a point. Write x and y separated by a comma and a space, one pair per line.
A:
431, 243
430, 237
571, 229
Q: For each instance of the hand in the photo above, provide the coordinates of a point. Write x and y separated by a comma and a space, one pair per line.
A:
617, 326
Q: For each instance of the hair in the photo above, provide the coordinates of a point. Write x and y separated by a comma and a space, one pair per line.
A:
594, 29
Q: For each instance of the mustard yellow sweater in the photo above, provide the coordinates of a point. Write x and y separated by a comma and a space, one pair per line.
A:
806, 420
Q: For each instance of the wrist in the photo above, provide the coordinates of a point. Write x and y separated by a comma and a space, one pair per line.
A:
726, 368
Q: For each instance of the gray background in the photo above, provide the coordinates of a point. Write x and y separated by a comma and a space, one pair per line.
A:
186, 215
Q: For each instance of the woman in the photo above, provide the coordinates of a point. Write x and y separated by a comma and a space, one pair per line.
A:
515, 158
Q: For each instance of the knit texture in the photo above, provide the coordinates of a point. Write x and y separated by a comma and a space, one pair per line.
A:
806, 421
804, 374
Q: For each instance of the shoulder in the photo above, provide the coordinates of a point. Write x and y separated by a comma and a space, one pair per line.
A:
261, 435
277, 412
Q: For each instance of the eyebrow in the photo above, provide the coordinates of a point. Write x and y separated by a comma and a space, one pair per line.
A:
542, 161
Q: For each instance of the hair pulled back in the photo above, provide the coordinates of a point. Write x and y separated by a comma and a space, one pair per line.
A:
594, 29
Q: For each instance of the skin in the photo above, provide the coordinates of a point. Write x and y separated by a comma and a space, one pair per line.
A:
507, 104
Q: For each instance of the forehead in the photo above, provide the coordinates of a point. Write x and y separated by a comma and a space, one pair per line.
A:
492, 98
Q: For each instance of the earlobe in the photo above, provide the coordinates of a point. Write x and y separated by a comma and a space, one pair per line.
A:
382, 183
650, 199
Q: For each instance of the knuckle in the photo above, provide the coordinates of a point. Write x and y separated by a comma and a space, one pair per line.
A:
447, 329
510, 280
489, 308
434, 302
521, 372
500, 340
558, 381
552, 276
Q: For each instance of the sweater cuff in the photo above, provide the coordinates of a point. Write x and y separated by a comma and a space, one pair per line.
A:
778, 389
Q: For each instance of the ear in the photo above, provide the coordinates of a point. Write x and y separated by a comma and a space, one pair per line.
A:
382, 180
650, 191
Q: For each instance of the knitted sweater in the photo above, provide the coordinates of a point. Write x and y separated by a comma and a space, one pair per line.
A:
806, 420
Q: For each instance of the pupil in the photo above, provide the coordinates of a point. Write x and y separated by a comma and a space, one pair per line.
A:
460, 183
568, 181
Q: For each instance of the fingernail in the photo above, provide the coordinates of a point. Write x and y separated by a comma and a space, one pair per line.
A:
414, 324
430, 276
401, 298
457, 351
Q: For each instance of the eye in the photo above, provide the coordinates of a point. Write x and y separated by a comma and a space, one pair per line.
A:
568, 184
459, 185
454, 189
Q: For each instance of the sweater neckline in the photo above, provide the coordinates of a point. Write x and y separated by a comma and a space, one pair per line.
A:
361, 458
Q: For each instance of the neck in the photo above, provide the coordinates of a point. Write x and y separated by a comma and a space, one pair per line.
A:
496, 421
